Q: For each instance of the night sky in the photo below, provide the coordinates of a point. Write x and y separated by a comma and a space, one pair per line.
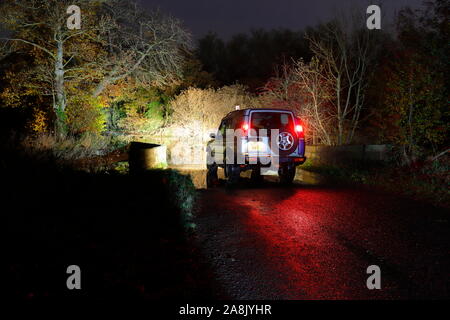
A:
227, 17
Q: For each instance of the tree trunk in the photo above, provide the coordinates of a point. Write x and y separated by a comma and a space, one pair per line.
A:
60, 101
406, 160
410, 127
340, 120
357, 112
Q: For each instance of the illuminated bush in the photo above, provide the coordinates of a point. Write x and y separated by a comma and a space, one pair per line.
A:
145, 119
69, 148
137, 110
40, 121
200, 110
85, 114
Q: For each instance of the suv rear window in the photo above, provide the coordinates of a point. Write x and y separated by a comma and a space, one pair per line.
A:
270, 120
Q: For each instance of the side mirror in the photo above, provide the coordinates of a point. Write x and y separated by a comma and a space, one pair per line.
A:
212, 135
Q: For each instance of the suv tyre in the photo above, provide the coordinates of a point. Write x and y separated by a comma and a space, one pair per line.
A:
256, 176
233, 173
211, 176
286, 174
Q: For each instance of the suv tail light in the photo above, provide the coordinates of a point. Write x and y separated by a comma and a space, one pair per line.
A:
299, 128
245, 127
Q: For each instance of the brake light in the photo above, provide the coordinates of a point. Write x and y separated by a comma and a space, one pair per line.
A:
245, 127
299, 128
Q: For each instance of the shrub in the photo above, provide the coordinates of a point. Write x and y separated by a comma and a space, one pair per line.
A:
138, 110
85, 114
146, 119
180, 191
40, 121
200, 110
114, 114
67, 148
183, 192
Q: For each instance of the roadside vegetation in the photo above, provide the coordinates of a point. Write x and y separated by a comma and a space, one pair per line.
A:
131, 235
426, 181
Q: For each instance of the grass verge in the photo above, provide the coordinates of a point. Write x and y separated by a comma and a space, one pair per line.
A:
129, 234
427, 181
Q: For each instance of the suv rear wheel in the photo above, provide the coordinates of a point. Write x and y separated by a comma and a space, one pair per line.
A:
233, 173
256, 176
211, 176
286, 174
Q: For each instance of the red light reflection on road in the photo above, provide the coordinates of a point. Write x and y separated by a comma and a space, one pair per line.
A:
297, 244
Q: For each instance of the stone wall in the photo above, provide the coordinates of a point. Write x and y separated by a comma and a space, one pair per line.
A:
190, 151
347, 154
182, 151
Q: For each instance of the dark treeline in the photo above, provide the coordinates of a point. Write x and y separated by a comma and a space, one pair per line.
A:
251, 59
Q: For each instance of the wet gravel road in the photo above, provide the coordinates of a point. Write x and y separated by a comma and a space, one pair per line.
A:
312, 242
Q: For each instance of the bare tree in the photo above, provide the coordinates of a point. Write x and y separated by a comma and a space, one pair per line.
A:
303, 88
147, 46
117, 39
315, 90
42, 25
345, 47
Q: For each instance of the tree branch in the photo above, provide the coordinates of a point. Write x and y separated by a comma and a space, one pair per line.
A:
33, 44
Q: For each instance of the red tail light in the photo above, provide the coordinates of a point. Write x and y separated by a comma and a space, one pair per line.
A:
299, 128
245, 127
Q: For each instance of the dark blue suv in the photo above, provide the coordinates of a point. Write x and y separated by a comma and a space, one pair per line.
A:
261, 140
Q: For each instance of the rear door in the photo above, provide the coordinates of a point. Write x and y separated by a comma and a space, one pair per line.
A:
283, 121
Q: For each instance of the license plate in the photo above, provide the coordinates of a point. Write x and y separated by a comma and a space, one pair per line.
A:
256, 146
